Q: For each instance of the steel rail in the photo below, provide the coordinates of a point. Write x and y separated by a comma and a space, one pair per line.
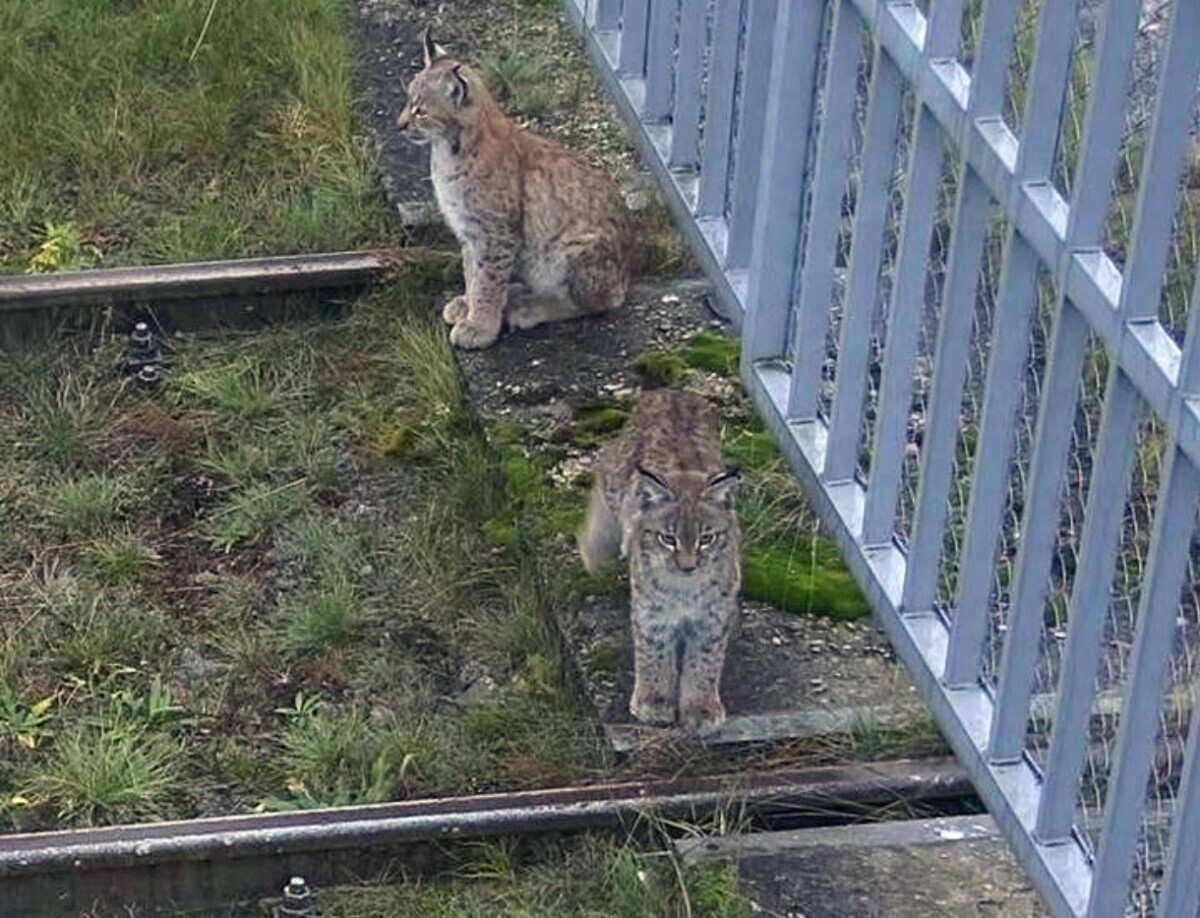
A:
212, 862
241, 277
187, 297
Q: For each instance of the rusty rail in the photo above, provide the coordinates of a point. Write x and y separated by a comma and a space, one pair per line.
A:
212, 862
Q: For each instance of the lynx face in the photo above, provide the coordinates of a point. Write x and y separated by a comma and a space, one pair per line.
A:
437, 97
685, 522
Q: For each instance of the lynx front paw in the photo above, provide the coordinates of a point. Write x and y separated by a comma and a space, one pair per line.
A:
699, 713
472, 334
454, 310
652, 709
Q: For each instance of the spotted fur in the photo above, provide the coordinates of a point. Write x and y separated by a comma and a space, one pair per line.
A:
544, 235
663, 500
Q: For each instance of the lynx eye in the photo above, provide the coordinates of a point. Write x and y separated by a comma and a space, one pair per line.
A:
707, 539
667, 540
418, 111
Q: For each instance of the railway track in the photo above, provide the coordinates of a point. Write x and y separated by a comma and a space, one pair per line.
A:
219, 862
186, 296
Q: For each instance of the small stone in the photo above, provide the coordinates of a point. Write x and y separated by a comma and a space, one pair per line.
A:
670, 299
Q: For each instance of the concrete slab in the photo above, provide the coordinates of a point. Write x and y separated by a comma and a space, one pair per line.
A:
932, 868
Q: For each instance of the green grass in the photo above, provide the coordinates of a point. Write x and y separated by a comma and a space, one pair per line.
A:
244, 535
593, 874
119, 558
338, 759
123, 139
96, 775
322, 620
85, 505
517, 78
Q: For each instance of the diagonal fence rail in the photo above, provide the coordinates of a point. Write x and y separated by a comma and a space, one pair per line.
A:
960, 237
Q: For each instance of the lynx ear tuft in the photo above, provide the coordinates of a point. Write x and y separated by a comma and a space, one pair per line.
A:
432, 50
650, 489
722, 487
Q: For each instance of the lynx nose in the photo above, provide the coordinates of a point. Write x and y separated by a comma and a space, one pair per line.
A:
405, 119
686, 560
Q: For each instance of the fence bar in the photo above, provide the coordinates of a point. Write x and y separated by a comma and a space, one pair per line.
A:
781, 193
1164, 160
1016, 294
944, 31
1174, 517
1116, 447
904, 324
608, 14
718, 110
944, 414
685, 117
1016, 301
1180, 897
635, 16
760, 36
1181, 883
866, 253
660, 60
1056, 415
1039, 526
989, 72
1104, 123
825, 210
1047, 88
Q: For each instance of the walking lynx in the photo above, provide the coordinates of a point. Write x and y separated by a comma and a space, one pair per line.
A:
522, 207
663, 500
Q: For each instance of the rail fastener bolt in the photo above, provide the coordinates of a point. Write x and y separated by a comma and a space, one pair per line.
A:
299, 900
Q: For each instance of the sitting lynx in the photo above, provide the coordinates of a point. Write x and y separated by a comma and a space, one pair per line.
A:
663, 500
522, 208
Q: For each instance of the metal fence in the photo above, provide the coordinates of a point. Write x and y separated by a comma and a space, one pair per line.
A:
960, 237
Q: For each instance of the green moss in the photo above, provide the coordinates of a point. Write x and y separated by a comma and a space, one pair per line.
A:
715, 353
398, 438
796, 584
507, 433
602, 416
661, 368
533, 509
597, 419
521, 477
604, 658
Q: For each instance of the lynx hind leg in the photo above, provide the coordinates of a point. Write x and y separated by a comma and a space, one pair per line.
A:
597, 281
600, 537
655, 669
528, 310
